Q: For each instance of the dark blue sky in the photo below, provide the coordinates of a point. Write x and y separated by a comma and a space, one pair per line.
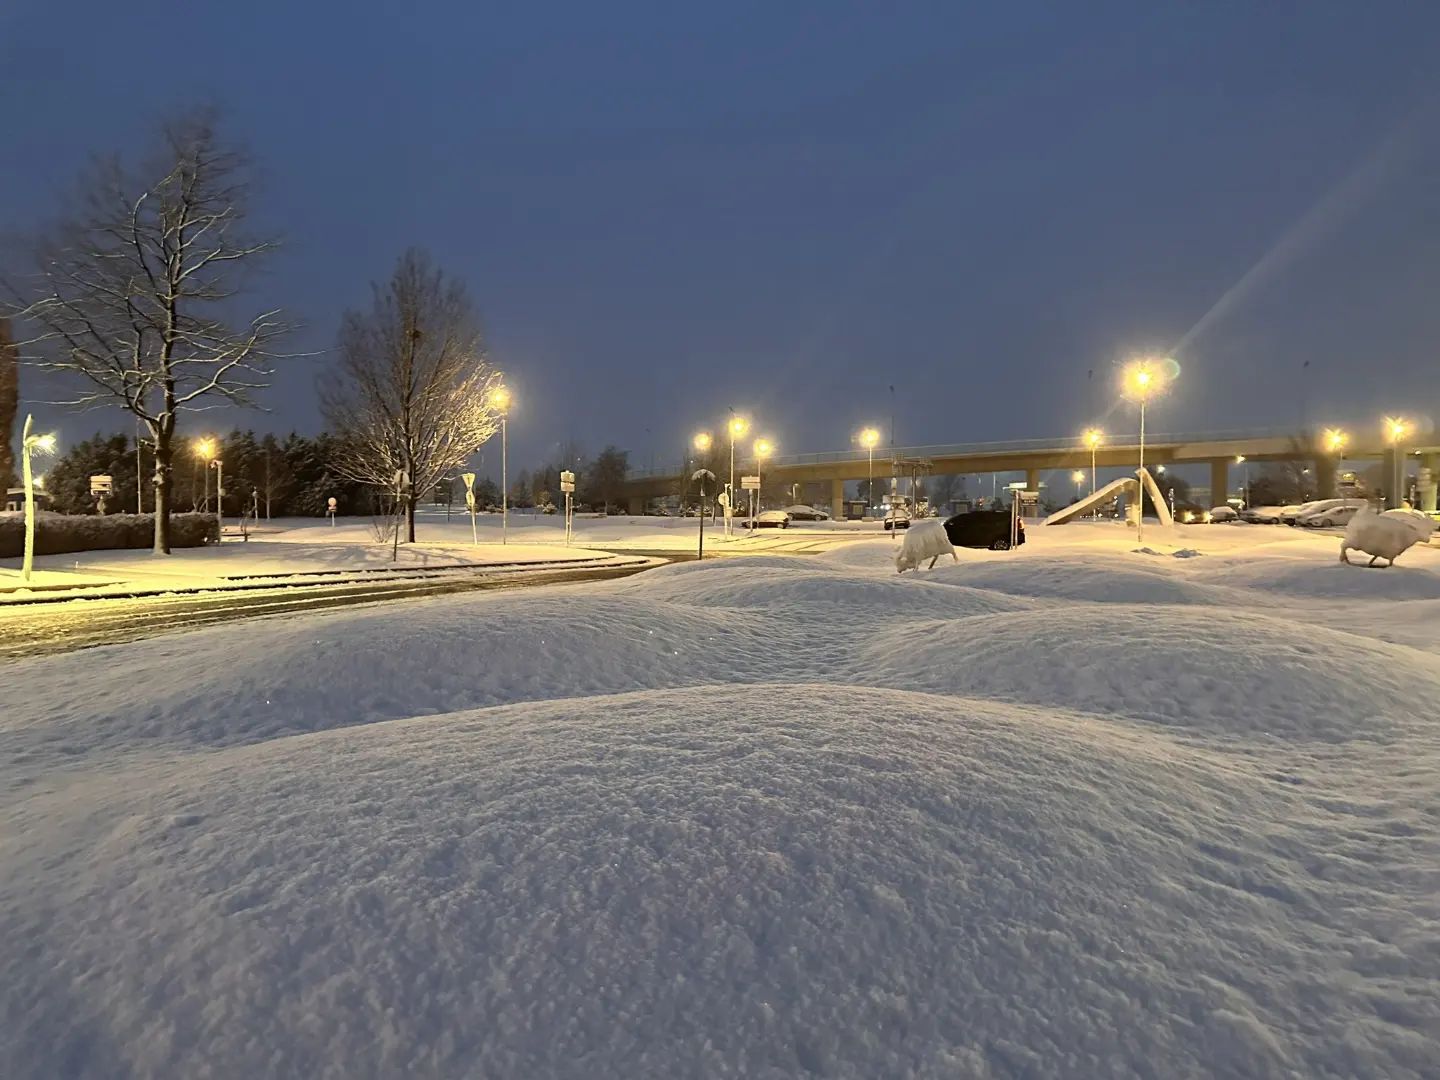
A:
666, 209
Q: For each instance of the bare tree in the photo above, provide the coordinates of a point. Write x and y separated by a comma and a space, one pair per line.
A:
133, 291
9, 402
410, 395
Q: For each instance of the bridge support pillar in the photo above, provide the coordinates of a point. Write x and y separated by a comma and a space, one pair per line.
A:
1219, 481
1032, 479
1426, 488
837, 500
637, 505
1325, 477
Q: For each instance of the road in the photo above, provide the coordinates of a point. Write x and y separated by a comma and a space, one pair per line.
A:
36, 629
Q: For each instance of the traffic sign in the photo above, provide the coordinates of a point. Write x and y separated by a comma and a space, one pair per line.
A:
567, 486
101, 484
567, 477
750, 483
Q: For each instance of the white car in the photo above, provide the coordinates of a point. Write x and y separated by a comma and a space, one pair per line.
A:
770, 519
801, 512
1330, 513
1265, 515
897, 519
1223, 513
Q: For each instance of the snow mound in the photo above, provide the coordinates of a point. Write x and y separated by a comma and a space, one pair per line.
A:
1220, 673
824, 594
657, 885
1119, 581
367, 664
1329, 580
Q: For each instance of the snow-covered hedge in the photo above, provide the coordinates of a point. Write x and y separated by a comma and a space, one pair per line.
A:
56, 534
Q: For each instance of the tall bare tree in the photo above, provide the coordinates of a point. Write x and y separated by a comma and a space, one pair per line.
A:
134, 290
409, 395
9, 402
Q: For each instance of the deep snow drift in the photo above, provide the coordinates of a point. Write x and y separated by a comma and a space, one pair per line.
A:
1060, 812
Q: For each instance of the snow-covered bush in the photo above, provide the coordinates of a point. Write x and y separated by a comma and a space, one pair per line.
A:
923, 540
57, 534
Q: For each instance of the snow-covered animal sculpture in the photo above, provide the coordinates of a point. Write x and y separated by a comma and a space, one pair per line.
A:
923, 540
1384, 536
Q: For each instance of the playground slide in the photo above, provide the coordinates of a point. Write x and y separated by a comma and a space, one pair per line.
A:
1091, 501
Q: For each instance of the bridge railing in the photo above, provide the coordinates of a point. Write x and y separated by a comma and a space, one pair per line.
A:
1012, 446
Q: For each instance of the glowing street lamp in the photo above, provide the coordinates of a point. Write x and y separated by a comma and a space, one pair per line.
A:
1078, 476
763, 448
737, 428
1396, 428
31, 444
1335, 440
869, 438
500, 402
1245, 484
1142, 380
1093, 438
205, 451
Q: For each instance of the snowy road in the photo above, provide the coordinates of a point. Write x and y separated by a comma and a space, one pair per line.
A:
1078, 810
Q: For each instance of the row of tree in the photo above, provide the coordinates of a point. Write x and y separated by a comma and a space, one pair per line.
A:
296, 477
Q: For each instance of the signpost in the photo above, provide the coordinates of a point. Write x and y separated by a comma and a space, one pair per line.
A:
469, 479
752, 485
101, 485
567, 485
330, 507
702, 475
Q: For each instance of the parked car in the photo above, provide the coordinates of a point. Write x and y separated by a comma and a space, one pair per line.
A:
1223, 513
801, 512
1265, 515
984, 529
1328, 517
897, 519
1291, 514
770, 519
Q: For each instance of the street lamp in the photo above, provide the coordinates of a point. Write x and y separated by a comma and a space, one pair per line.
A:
1142, 379
737, 427
1093, 438
869, 438
1396, 428
1079, 477
1245, 488
500, 402
702, 443
29, 445
763, 449
205, 451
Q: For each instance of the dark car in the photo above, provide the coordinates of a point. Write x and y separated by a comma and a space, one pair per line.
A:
983, 529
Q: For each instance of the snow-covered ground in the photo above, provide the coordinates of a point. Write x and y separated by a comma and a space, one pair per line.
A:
1073, 811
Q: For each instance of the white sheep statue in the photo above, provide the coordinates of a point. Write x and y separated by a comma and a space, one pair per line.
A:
924, 539
1384, 536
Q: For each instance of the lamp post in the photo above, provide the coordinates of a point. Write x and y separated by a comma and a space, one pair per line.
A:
702, 443
205, 450
763, 449
29, 445
1396, 429
219, 498
737, 427
1335, 441
1244, 482
869, 438
1093, 438
500, 402
1079, 477
1142, 378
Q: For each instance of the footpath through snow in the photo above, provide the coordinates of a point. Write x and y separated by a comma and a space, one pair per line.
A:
1069, 811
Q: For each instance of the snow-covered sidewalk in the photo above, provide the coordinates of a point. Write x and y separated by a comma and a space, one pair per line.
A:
1075, 810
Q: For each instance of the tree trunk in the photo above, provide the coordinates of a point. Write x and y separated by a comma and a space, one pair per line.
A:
410, 516
162, 495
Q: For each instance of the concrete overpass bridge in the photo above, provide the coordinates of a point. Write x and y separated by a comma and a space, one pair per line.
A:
1217, 449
